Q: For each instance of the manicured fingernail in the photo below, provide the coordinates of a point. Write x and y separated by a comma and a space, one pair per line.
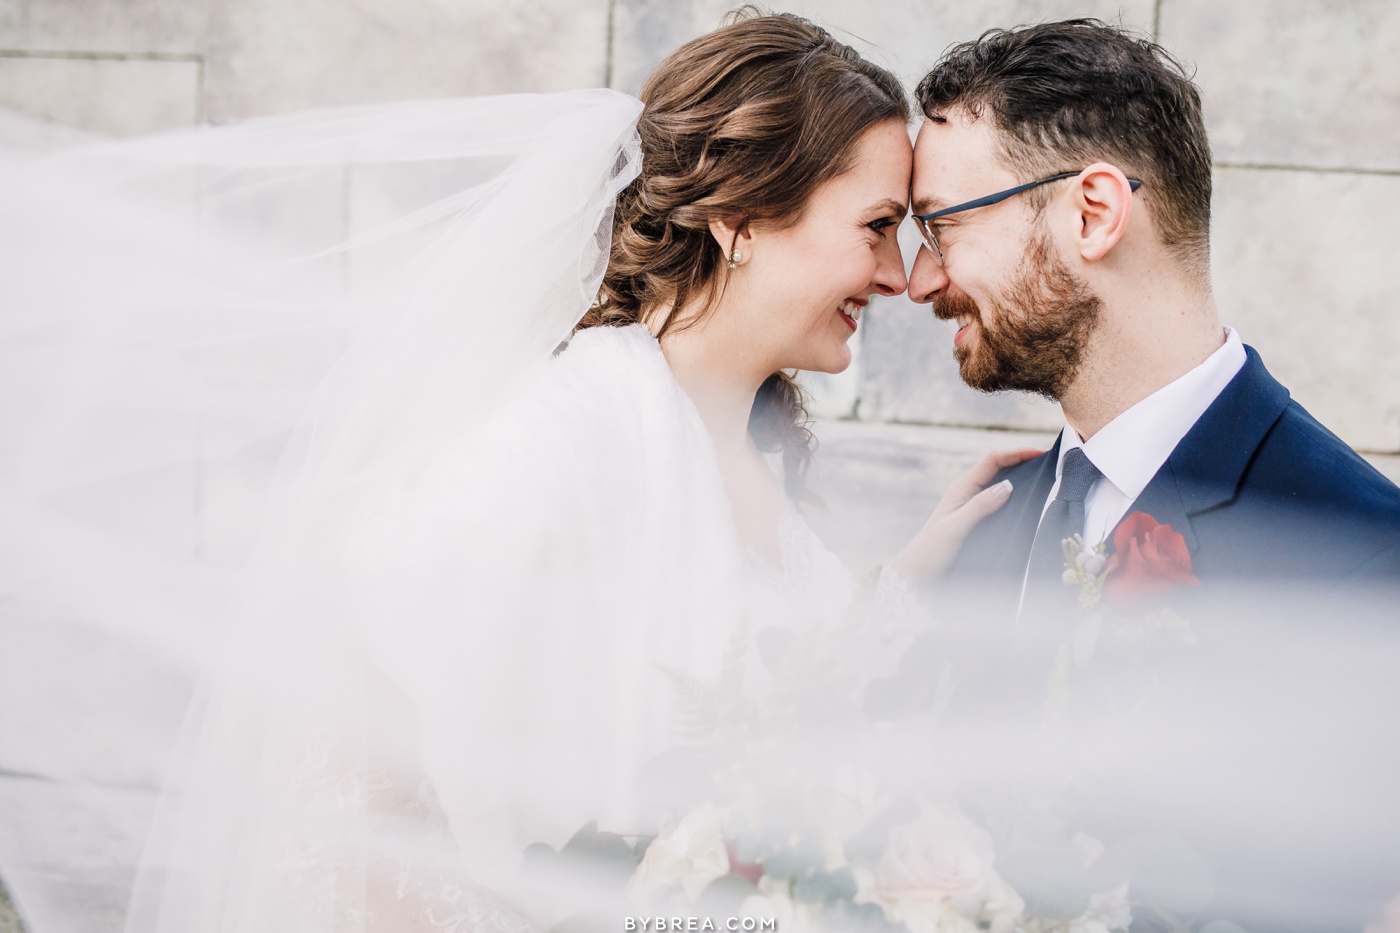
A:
1004, 488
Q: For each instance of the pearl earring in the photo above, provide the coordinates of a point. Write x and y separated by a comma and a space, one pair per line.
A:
735, 259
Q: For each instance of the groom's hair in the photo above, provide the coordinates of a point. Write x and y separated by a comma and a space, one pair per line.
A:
1065, 94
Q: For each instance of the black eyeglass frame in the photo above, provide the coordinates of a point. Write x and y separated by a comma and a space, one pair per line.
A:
931, 241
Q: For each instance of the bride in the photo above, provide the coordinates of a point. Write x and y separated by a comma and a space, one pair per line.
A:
471, 470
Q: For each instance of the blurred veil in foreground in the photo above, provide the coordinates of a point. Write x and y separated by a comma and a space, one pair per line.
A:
228, 358
287, 530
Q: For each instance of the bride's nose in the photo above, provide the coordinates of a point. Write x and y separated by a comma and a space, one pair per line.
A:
889, 278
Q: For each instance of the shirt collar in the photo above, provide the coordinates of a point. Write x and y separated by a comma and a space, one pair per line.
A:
1131, 448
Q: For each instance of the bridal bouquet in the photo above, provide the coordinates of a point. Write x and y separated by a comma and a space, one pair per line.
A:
790, 805
934, 874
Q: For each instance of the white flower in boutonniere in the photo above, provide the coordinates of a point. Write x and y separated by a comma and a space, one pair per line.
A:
687, 856
937, 876
1085, 567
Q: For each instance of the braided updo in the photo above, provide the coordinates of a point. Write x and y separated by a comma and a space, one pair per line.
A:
742, 124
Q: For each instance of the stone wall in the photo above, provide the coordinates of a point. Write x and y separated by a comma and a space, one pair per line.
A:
1302, 101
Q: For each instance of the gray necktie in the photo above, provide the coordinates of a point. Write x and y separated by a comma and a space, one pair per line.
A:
1064, 518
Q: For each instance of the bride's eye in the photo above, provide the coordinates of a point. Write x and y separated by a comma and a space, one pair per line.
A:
882, 224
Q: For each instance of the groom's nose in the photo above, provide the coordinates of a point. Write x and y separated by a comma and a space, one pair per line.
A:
927, 279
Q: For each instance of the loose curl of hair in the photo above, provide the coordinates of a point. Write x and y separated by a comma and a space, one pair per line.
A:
743, 124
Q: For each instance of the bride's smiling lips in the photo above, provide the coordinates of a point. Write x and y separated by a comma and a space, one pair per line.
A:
850, 310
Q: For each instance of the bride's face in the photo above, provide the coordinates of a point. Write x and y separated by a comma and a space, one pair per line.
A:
806, 285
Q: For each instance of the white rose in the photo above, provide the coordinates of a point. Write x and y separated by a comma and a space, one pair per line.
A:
687, 855
937, 874
1002, 907
1107, 911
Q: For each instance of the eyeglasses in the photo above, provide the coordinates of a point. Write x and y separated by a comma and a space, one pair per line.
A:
931, 240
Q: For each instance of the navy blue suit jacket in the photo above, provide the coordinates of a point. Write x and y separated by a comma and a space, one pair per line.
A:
1258, 488
1264, 495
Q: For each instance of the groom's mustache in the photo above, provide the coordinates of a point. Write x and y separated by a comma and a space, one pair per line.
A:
952, 306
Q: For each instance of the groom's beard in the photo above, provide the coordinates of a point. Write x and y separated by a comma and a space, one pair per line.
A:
1043, 322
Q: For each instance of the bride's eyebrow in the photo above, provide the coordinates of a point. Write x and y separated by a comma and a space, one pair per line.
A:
890, 206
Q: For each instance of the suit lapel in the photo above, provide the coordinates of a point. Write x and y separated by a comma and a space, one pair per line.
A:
1001, 543
1206, 468
1024, 510
1162, 499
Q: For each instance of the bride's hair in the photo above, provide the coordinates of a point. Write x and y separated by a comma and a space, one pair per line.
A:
745, 124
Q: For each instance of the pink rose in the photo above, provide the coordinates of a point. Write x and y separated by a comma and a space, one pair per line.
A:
937, 876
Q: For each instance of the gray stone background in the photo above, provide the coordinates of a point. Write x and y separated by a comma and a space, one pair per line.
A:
1302, 101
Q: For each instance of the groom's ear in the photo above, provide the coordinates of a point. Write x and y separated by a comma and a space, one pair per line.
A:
732, 233
1104, 198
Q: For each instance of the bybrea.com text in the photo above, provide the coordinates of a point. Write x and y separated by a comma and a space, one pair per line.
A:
699, 924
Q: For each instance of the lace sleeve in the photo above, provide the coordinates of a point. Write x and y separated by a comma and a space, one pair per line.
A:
398, 869
893, 598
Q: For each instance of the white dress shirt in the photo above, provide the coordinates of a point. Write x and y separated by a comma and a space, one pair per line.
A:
1131, 448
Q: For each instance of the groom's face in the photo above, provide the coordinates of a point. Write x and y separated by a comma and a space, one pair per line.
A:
1024, 317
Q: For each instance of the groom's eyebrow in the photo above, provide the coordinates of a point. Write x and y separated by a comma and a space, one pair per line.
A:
928, 204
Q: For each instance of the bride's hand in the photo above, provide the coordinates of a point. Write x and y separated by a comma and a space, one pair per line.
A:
964, 504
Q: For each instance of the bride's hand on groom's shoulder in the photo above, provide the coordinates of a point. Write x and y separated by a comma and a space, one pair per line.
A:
966, 502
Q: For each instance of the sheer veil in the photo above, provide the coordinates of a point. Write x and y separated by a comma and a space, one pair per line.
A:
271, 412
328, 587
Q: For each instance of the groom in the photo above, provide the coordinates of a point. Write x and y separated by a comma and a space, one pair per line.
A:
1062, 184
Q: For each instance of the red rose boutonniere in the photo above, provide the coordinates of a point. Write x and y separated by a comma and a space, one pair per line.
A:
1149, 560
1120, 598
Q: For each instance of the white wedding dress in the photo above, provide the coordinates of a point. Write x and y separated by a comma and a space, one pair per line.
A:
307, 519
